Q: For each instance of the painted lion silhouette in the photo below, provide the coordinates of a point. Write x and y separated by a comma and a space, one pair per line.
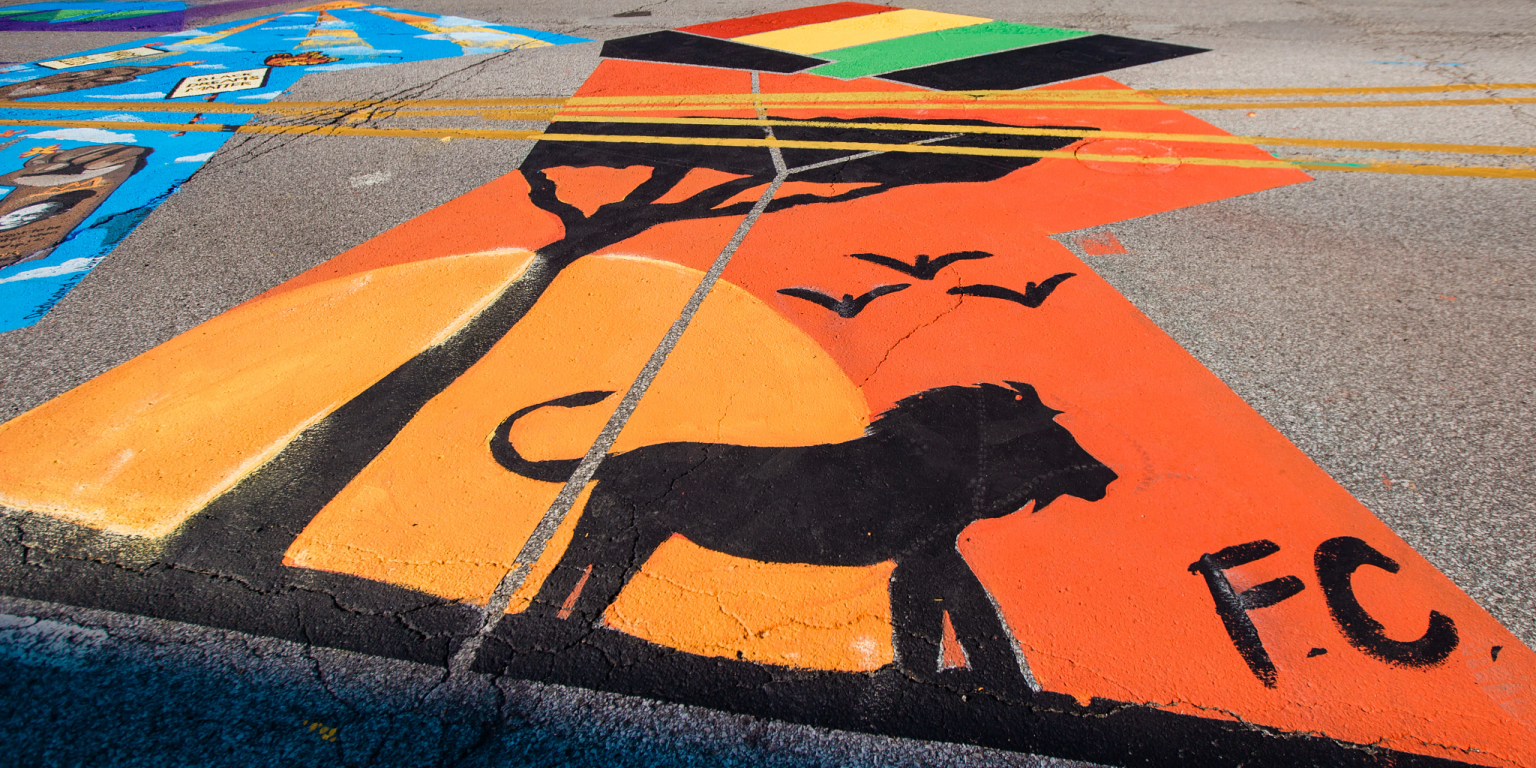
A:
924, 470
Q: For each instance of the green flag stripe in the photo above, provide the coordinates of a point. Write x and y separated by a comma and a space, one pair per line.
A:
935, 47
122, 15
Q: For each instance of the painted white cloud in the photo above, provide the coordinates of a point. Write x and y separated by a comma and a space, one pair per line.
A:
131, 96
457, 21
334, 67
354, 50
488, 36
209, 66
87, 135
67, 268
194, 158
203, 47
120, 117
370, 179
188, 33
263, 96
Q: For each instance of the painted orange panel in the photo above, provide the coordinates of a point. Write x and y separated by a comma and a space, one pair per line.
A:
435, 512
768, 22
183, 422
1100, 594
644, 81
493, 216
787, 614
1074, 194
591, 188
498, 213
845, 33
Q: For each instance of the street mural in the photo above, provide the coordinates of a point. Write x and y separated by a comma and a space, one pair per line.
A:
764, 384
63, 210
88, 16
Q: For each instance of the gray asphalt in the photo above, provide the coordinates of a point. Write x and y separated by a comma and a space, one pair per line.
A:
1325, 305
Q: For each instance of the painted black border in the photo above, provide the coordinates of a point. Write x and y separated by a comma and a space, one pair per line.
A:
350, 613
673, 47
1041, 64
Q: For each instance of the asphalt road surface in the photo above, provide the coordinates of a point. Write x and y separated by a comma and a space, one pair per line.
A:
1382, 322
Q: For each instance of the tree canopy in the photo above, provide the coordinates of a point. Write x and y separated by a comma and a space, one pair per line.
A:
672, 150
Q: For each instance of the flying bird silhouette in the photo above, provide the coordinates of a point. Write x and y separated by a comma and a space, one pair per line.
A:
847, 306
922, 269
1032, 297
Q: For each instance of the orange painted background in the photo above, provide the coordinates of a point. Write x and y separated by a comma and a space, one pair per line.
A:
1098, 594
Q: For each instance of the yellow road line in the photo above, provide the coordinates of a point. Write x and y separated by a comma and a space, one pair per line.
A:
1358, 104
862, 97
1424, 170
1211, 92
1147, 96
281, 106
1087, 106
489, 113
1196, 138
1096, 94
862, 146
1390, 146
119, 124
472, 133
744, 100
469, 107
1442, 170
316, 130
1035, 95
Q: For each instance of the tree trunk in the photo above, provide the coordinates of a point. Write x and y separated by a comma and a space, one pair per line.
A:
247, 529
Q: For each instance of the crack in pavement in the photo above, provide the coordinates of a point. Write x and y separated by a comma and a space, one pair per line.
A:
372, 108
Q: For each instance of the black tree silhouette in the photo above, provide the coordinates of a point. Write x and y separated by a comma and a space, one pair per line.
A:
247, 529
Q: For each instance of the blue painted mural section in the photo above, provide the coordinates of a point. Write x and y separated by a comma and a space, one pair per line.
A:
76, 181
91, 16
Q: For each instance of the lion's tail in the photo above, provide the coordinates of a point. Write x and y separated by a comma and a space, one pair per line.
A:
554, 470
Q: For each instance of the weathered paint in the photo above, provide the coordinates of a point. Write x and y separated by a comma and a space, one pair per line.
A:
769, 22
860, 30
934, 47
390, 526
1214, 580
164, 447
92, 17
196, 66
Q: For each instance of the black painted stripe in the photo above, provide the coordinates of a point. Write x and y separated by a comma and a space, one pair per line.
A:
673, 47
1041, 64
953, 709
